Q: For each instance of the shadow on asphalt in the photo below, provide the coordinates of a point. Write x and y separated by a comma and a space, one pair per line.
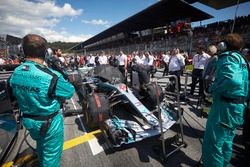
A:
151, 149
189, 131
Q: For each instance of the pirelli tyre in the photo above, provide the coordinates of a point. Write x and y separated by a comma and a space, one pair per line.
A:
154, 90
96, 110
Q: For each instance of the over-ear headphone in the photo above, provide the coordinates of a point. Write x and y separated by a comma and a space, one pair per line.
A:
222, 46
245, 51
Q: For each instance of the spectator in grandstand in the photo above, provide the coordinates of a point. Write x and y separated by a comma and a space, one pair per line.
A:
229, 91
38, 100
122, 61
176, 66
199, 62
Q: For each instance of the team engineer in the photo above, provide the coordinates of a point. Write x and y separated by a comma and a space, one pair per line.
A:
229, 91
38, 90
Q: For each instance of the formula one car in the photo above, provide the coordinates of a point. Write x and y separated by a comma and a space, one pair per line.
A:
8, 120
116, 109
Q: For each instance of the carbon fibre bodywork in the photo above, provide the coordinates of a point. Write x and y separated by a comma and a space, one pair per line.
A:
137, 122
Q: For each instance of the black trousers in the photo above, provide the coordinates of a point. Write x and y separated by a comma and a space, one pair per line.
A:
165, 72
177, 74
122, 70
197, 77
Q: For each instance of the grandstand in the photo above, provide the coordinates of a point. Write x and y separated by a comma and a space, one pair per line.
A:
143, 32
140, 30
9, 45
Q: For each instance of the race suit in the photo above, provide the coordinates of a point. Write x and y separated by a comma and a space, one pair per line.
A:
38, 91
229, 92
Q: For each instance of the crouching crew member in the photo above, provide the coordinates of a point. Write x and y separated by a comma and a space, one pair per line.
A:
38, 90
229, 91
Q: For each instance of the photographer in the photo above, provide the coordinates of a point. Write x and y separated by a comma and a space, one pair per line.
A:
38, 90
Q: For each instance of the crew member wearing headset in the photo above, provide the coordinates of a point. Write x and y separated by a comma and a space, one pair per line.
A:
229, 91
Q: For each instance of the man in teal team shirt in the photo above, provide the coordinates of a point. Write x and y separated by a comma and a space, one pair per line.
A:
39, 90
229, 91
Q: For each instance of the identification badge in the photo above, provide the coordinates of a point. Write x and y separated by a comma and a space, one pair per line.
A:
26, 68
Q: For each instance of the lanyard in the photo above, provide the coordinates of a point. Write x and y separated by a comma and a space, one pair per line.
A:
199, 58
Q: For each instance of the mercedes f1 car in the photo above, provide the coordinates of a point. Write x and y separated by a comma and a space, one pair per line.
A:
8, 121
124, 114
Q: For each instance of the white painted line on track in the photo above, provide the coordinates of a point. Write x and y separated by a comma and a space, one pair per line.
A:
73, 103
96, 148
83, 128
94, 145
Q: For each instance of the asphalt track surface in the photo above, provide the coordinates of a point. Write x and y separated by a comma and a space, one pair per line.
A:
88, 148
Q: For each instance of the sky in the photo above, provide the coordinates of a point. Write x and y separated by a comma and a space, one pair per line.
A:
79, 20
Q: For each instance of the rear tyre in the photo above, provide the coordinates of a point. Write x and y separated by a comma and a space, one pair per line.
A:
95, 110
154, 90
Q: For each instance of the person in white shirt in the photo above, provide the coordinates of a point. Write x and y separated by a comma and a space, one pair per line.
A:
149, 63
176, 65
103, 59
165, 59
91, 61
148, 60
122, 61
137, 58
199, 63
1, 60
144, 69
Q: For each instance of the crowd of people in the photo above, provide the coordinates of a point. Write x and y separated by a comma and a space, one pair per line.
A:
224, 69
221, 70
9, 60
